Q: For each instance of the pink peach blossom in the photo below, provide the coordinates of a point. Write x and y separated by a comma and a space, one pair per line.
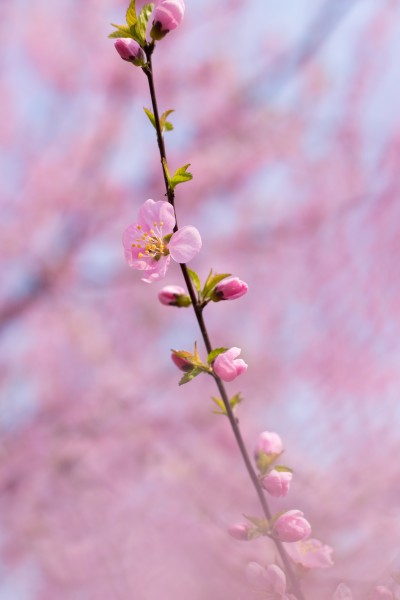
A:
277, 483
169, 14
291, 527
310, 553
230, 289
227, 366
380, 592
342, 592
270, 579
150, 243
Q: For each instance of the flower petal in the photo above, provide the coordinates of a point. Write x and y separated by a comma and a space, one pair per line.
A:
156, 212
157, 270
185, 244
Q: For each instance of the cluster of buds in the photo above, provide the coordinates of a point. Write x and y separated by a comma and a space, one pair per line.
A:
289, 526
166, 16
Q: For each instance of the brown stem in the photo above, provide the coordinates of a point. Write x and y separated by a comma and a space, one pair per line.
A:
198, 310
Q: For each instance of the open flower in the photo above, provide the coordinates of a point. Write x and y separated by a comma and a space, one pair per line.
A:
310, 553
227, 366
150, 243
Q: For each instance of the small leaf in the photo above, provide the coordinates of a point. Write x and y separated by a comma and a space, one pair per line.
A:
211, 282
235, 400
220, 404
151, 116
123, 31
131, 17
163, 120
195, 279
139, 28
181, 175
190, 375
214, 353
168, 126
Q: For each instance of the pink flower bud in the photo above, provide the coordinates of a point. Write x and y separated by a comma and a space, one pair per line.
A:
268, 443
167, 15
291, 527
310, 553
173, 295
129, 50
240, 531
230, 289
277, 483
227, 366
182, 363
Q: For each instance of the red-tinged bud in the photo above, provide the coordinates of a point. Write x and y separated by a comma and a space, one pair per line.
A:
229, 289
173, 295
129, 50
183, 364
167, 15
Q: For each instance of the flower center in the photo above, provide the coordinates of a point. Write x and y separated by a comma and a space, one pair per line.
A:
151, 243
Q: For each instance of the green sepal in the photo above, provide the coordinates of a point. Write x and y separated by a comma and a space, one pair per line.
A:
131, 17
191, 375
214, 353
262, 526
211, 281
195, 279
283, 469
265, 461
181, 175
151, 116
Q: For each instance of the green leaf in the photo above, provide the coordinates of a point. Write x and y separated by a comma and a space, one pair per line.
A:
212, 281
138, 29
181, 175
220, 404
190, 375
168, 126
235, 400
123, 31
214, 353
195, 278
131, 17
151, 116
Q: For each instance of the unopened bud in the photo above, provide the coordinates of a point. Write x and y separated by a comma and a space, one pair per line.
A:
167, 15
173, 295
183, 364
291, 527
129, 50
229, 289
277, 483
240, 531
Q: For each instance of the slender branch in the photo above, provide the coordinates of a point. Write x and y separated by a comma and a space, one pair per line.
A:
198, 310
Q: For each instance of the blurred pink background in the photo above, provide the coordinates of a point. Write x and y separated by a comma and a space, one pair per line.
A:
114, 482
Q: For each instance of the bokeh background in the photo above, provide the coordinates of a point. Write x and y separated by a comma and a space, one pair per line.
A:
114, 482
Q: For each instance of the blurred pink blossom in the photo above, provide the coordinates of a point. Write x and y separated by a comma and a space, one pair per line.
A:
230, 289
129, 50
227, 366
150, 243
380, 592
310, 553
270, 579
342, 592
291, 527
268, 443
277, 483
